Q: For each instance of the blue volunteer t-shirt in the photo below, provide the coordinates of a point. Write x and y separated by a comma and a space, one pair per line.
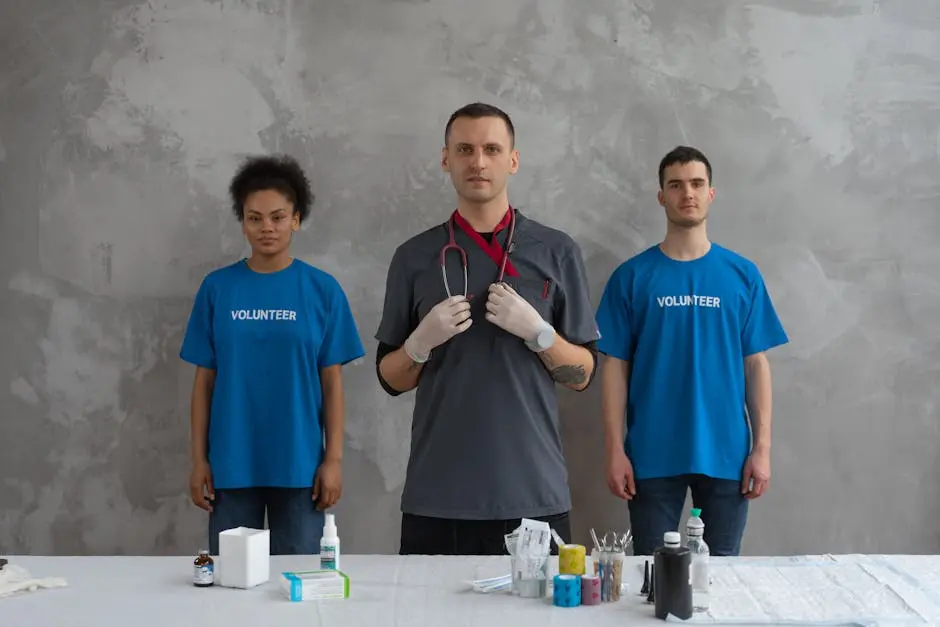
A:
686, 327
267, 336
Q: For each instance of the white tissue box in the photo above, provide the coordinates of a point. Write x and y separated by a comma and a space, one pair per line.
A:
245, 556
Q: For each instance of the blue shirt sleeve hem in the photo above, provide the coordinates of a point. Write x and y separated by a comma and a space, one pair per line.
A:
766, 346
612, 352
342, 361
196, 361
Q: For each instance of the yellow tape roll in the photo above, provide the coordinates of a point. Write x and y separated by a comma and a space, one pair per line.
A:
571, 559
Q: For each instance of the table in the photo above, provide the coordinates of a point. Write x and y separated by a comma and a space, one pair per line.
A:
403, 592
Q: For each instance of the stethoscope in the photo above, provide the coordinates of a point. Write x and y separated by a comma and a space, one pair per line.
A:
452, 244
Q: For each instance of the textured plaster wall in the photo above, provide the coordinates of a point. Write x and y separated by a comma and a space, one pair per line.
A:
121, 122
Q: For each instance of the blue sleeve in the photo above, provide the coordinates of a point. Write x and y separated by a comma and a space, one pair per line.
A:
762, 328
198, 344
614, 320
341, 341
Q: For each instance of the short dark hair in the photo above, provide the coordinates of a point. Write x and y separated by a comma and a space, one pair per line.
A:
683, 155
280, 173
478, 110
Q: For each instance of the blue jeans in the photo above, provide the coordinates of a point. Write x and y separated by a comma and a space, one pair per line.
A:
294, 522
657, 508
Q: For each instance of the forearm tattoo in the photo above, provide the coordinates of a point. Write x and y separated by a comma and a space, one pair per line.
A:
566, 374
569, 375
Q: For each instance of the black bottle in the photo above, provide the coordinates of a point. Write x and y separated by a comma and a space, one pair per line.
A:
672, 564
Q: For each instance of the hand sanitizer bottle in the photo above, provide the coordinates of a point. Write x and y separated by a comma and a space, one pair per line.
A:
695, 534
329, 545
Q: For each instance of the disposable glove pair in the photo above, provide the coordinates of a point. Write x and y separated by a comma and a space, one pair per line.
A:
504, 308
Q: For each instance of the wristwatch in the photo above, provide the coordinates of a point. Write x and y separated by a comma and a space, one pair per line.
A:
543, 340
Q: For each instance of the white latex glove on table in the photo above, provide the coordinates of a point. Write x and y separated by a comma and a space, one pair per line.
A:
16, 579
512, 313
445, 320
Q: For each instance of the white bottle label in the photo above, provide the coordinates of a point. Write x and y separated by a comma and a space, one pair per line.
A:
204, 574
328, 558
700, 574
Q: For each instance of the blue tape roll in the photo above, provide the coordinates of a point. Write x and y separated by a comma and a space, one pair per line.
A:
567, 591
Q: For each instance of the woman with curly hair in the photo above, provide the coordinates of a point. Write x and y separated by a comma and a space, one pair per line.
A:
269, 335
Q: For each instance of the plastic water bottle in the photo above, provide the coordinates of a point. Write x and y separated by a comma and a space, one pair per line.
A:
695, 534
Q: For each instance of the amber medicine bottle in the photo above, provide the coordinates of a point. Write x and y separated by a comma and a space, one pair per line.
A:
203, 570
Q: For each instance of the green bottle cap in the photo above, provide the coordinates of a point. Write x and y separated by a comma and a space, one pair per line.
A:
695, 511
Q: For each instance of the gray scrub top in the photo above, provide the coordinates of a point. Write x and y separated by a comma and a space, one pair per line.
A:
485, 436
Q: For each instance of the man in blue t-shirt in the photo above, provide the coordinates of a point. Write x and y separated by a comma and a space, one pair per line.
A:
685, 326
268, 336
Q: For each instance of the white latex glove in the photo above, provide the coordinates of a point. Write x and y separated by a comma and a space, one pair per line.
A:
445, 320
16, 579
511, 312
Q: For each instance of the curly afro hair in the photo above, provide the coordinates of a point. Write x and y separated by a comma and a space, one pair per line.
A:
280, 173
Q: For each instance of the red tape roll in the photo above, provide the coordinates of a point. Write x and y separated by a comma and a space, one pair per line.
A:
590, 590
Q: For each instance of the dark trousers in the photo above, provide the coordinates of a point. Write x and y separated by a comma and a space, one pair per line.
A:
422, 535
657, 508
294, 522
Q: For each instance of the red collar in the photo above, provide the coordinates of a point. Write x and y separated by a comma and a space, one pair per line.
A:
493, 249
463, 224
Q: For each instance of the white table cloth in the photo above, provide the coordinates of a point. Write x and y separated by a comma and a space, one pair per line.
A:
432, 591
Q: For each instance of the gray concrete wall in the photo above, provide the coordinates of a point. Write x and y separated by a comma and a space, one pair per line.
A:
120, 124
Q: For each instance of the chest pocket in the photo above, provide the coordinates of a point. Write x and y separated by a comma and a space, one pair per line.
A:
538, 293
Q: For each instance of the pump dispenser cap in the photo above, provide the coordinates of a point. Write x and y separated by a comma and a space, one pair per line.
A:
329, 527
672, 538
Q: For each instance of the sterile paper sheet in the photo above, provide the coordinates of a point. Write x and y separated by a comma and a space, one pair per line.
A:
823, 591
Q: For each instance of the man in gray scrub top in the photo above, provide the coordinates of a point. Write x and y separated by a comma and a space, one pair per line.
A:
484, 344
